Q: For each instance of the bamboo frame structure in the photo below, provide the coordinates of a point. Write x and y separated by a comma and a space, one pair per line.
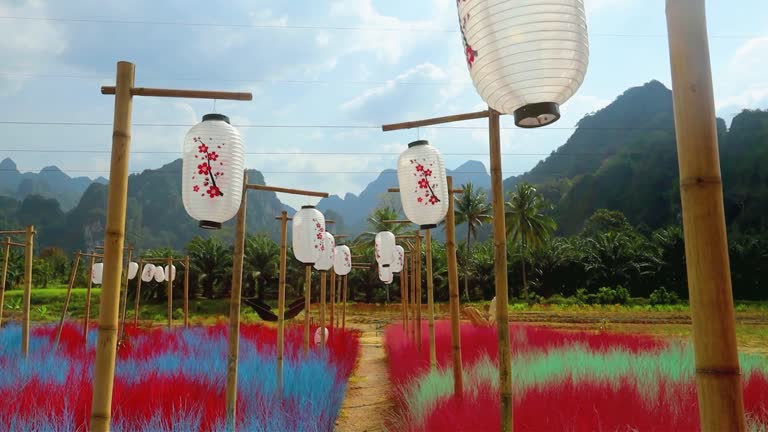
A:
331, 294
186, 293
307, 305
404, 292
87, 312
430, 300
281, 301
137, 299
71, 284
718, 377
322, 309
114, 237
453, 291
169, 291
6, 258
147, 260
124, 300
29, 238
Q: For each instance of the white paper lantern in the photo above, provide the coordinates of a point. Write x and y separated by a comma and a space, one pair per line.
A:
342, 260
148, 273
308, 233
423, 184
384, 246
133, 268
526, 57
97, 273
325, 262
159, 274
171, 274
318, 335
385, 274
212, 181
397, 264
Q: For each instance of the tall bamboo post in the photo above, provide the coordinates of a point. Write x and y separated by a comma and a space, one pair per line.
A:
332, 283
125, 294
413, 296
234, 310
307, 304
104, 370
28, 256
453, 292
87, 312
138, 296
404, 292
418, 291
6, 258
430, 300
281, 301
718, 380
344, 310
339, 296
186, 292
72, 278
322, 309
500, 270
169, 292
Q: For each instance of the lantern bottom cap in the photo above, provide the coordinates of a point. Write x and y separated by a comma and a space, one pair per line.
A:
211, 225
537, 115
428, 226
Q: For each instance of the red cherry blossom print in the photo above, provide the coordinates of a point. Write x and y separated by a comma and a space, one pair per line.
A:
203, 169
419, 167
214, 191
420, 199
212, 156
423, 184
317, 225
196, 188
427, 173
433, 200
202, 148
319, 236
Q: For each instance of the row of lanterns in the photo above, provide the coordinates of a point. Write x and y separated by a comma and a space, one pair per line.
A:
312, 244
158, 273
97, 272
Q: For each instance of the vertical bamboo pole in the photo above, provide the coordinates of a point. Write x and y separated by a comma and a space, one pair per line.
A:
404, 293
169, 292
332, 295
234, 309
430, 301
453, 292
28, 256
138, 296
125, 294
339, 296
344, 311
281, 301
87, 312
322, 309
186, 292
417, 304
6, 258
413, 296
104, 370
718, 380
307, 304
72, 278
500, 270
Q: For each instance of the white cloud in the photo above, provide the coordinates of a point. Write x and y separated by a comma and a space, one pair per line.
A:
424, 70
746, 85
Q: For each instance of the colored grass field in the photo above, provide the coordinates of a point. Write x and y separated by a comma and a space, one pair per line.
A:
562, 380
174, 380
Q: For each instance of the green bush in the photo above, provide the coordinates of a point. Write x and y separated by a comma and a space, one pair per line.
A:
660, 296
603, 296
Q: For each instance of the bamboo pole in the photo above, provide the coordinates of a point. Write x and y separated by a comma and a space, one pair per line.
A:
500, 270
169, 292
87, 313
453, 293
436, 120
430, 301
338, 299
104, 370
344, 311
718, 380
281, 301
332, 295
288, 191
413, 296
186, 292
6, 258
72, 278
196, 94
234, 309
138, 296
307, 304
13, 232
403, 295
418, 290
28, 256
125, 294
322, 309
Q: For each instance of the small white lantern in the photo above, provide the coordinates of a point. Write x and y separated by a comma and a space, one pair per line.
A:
97, 273
423, 184
170, 274
148, 272
526, 58
325, 262
385, 274
133, 268
342, 260
308, 233
384, 245
212, 180
159, 274
397, 264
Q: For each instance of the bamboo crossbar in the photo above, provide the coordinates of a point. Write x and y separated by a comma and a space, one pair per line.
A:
286, 190
13, 232
91, 255
435, 121
16, 244
398, 221
405, 236
193, 94
181, 261
328, 221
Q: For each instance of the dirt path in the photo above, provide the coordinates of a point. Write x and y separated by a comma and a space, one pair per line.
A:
367, 403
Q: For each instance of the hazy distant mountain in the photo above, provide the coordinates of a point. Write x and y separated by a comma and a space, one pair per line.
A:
50, 182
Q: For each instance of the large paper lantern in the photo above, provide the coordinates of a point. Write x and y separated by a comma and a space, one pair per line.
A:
325, 262
133, 268
342, 260
212, 179
397, 264
525, 57
423, 184
148, 273
384, 246
385, 274
308, 230
170, 273
159, 274
97, 273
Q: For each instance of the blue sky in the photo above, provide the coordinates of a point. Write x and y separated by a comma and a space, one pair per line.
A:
316, 63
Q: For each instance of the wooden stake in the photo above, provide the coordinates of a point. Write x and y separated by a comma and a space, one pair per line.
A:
453, 293
307, 304
404, 293
104, 370
413, 297
718, 380
322, 309
186, 292
125, 294
72, 278
87, 313
339, 296
138, 296
28, 257
418, 290
281, 301
234, 310
169, 292
500, 270
344, 311
333, 294
6, 258
430, 301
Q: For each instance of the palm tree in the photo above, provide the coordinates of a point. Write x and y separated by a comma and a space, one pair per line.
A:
262, 260
527, 223
210, 261
376, 223
473, 209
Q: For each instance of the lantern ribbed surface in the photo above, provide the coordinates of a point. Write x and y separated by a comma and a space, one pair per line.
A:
170, 274
308, 232
97, 273
148, 272
397, 264
526, 57
385, 274
325, 262
423, 184
212, 176
384, 248
133, 268
342, 260
159, 274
